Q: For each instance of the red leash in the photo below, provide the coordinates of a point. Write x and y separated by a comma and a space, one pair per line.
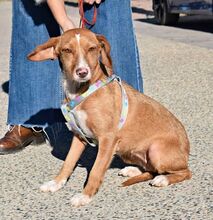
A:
84, 21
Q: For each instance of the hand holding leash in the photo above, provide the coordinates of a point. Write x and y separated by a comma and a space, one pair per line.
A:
91, 2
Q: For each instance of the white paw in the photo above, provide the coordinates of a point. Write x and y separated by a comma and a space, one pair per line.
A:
129, 171
52, 186
160, 180
80, 200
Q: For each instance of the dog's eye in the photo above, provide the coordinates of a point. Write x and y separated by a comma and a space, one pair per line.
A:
67, 50
92, 48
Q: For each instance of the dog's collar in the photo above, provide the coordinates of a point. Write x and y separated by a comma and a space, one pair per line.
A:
68, 108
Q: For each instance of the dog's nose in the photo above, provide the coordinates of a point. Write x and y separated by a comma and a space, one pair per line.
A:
82, 72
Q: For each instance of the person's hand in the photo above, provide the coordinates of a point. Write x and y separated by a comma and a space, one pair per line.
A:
91, 2
58, 10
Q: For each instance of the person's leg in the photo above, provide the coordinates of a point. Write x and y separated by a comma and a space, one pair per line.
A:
35, 89
114, 21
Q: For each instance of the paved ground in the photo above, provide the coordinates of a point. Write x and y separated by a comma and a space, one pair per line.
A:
194, 30
177, 74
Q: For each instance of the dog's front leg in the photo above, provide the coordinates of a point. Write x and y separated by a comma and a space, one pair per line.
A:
76, 149
102, 162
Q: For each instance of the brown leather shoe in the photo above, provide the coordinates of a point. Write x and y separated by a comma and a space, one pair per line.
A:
16, 139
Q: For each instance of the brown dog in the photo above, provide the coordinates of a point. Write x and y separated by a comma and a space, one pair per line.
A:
151, 137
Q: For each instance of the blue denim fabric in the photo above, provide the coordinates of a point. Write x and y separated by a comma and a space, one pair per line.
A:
35, 91
35, 87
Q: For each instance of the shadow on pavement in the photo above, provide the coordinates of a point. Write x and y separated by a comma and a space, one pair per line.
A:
5, 87
195, 22
142, 11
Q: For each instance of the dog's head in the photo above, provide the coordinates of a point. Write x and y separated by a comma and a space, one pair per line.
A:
80, 52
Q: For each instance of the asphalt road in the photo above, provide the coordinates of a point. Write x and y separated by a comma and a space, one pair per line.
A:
193, 30
177, 74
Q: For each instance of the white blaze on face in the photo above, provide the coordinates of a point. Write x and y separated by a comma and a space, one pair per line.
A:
82, 63
78, 36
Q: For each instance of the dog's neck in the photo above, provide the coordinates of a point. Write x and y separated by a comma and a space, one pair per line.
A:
73, 88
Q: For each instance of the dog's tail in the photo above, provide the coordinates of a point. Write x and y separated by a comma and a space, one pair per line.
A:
136, 179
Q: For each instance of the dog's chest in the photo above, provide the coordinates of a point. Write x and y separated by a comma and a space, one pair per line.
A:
80, 117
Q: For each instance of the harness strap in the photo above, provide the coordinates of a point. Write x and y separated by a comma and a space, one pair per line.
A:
93, 88
125, 105
72, 125
68, 109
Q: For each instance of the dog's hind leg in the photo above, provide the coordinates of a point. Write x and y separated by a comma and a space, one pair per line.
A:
174, 177
169, 159
130, 171
76, 149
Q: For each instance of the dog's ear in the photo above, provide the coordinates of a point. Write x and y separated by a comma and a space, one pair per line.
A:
105, 53
45, 51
